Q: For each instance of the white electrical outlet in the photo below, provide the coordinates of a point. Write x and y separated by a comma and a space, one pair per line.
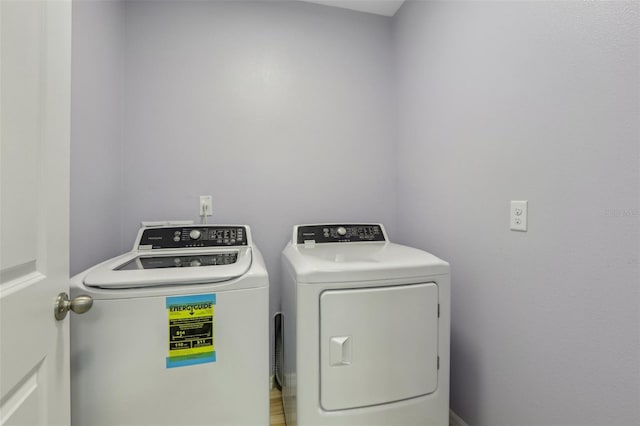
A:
518, 216
206, 205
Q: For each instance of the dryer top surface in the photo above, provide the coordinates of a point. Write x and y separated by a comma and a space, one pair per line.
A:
324, 263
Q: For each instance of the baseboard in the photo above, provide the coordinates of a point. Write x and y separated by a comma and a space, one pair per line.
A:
272, 382
455, 420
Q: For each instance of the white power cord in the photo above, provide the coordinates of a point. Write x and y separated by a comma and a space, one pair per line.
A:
203, 217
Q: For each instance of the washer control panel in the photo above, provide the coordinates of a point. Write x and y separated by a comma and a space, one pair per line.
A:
337, 233
177, 237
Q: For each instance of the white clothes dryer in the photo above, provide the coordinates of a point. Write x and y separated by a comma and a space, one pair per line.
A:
178, 333
366, 329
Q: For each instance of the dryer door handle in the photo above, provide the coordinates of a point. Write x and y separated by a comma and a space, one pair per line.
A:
340, 348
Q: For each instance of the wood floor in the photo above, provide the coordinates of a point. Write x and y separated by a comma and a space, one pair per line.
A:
276, 411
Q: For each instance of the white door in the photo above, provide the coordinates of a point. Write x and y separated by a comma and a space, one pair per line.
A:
35, 76
378, 345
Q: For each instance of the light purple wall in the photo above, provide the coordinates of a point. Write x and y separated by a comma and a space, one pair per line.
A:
502, 101
279, 110
97, 78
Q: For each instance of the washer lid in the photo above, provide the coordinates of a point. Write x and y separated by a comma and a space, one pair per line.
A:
323, 263
174, 267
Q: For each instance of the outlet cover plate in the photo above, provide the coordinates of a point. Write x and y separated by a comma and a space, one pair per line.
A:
206, 205
518, 216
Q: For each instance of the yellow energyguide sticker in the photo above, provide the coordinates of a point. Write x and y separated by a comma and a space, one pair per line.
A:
191, 329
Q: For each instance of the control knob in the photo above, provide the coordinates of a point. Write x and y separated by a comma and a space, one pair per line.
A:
342, 231
194, 234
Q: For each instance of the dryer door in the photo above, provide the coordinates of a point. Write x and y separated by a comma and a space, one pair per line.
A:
378, 345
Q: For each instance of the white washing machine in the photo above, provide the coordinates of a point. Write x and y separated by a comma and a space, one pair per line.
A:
366, 329
178, 333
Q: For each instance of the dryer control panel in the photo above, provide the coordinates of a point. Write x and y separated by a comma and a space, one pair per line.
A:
193, 236
337, 233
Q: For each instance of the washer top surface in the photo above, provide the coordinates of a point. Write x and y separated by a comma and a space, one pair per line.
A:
359, 252
175, 255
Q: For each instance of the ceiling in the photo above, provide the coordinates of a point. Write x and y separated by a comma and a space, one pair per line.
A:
379, 7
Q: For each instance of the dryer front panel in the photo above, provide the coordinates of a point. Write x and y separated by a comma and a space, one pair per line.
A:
378, 345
